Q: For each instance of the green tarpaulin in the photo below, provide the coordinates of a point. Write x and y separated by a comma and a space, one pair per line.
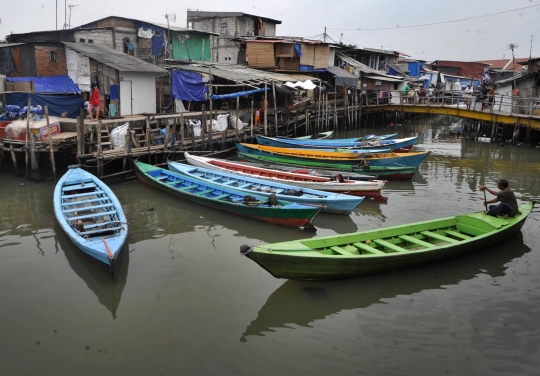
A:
190, 47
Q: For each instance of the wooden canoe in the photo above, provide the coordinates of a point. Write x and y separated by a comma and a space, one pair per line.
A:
227, 199
381, 250
401, 145
342, 158
368, 189
79, 195
384, 172
355, 139
316, 136
331, 202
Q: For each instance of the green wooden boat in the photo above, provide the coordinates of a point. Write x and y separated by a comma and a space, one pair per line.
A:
381, 250
382, 172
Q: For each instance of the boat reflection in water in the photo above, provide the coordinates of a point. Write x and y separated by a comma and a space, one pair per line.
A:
303, 302
107, 288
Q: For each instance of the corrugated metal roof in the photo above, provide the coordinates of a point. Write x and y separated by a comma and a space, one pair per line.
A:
114, 58
362, 67
10, 44
400, 68
242, 74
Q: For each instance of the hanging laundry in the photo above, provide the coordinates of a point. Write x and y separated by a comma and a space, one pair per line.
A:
129, 45
145, 33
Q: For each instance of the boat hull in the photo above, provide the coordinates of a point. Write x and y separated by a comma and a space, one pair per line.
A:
371, 189
65, 206
318, 267
341, 158
390, 136
331, 202
387, 173
299, 217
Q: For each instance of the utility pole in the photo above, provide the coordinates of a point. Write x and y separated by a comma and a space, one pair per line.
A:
530, 51
70, 6
324, 34
56, 14
65, 14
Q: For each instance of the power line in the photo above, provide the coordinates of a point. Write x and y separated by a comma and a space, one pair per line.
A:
348, 40
438, 23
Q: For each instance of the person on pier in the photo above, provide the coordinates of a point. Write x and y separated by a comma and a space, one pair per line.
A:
506, 198
468, 96
94, 103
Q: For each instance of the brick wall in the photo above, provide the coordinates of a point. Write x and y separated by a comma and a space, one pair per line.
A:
44, 65
99, 37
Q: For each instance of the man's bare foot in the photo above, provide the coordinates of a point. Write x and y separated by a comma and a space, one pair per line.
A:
505, 216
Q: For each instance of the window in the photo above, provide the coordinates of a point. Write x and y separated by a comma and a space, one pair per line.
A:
52, 55
224, 28
373, 62
82, 40
90, 41
128, 46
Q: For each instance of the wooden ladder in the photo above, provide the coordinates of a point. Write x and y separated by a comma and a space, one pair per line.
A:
155, 133
139, 137
105, 139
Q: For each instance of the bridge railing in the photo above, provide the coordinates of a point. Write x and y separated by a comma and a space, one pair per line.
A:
453, 98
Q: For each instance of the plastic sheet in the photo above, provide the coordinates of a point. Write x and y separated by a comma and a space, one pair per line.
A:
188, 86
118, 136
50, 84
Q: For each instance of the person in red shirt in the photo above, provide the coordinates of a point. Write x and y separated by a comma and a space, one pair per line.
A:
94, 103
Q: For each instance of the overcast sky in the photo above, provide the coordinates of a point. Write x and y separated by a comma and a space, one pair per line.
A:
468, 40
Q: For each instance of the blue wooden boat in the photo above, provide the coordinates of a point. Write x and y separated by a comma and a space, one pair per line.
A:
332, 202
402, 145
90, 215
354, 139
254, 206
307, 156
298, 144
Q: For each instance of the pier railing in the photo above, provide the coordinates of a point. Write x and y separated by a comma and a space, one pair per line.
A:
455, 98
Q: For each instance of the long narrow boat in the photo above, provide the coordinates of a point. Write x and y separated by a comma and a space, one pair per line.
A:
381, 250
402, 145
356, 139
227, 199
90, 215
316, 136
294, 144
341, 158
368, 189
384, 172
331, 202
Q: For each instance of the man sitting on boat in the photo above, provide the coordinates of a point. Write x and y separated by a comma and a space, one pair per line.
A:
507, 206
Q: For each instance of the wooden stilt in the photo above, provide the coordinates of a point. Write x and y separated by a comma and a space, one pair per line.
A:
182, 139
275, 106
51, 149
148, 137
14, 159
27, 138
236, 113
265, 111
252, 116
203, 127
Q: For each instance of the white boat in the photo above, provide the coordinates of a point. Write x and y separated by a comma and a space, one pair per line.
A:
369, 189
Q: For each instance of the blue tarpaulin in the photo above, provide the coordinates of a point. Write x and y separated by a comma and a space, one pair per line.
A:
239, 94
51, 84
157, 44
298, 49
129, 45
114, 92
392, 71
57, 103
188, 86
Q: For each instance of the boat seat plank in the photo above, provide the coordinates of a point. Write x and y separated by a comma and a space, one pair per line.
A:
96, 192
85, 201
368, 249
341, 251
78, 186
221, 196
100, 230
229, 182
433, 235
388, 245
458, 235
413, 240
93, 215
98, 224
162, 177
187, 188
86, 208
203, 192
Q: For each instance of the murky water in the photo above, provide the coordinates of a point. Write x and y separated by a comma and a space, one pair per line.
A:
185, 302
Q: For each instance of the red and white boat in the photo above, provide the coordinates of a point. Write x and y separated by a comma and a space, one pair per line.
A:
369, 189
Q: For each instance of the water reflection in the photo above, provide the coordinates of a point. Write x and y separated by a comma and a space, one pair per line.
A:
107, 289
302, 302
